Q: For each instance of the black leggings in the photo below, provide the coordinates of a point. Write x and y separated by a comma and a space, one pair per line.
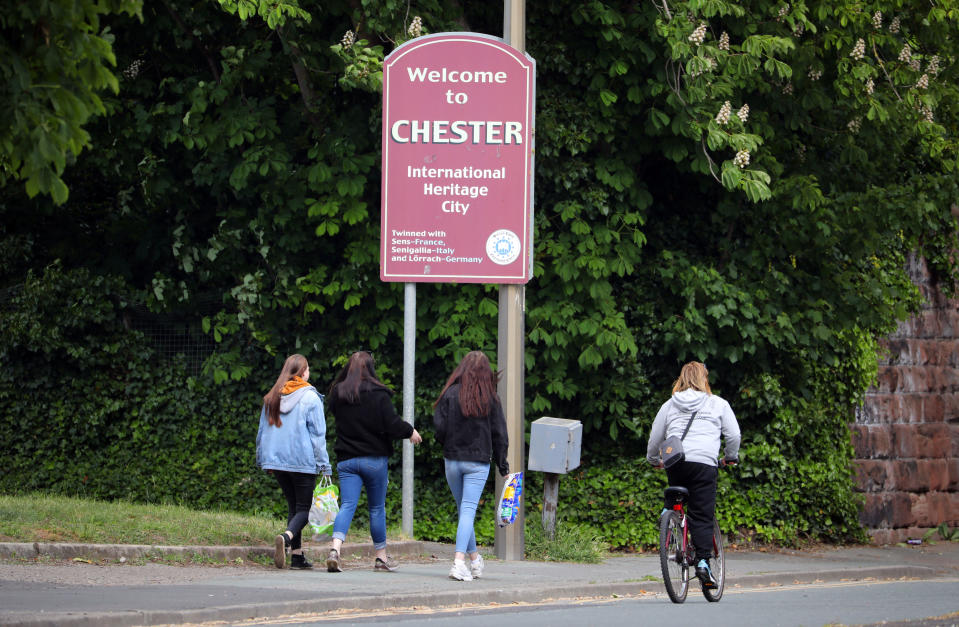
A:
298, 489
700, 480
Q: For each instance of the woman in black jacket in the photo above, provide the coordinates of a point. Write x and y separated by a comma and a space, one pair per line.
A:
470, 425
366, 425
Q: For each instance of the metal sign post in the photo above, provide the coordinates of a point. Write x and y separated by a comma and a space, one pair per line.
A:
409, 363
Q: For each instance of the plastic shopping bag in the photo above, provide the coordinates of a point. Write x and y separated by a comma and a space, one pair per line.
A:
510, 500
325, 506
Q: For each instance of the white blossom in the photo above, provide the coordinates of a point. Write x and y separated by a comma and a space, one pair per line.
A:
894, 25
741, 159
859, 50
133, 69
877, 19
724, 112
416, 27
870, 86
699, 35
743, 113
788, 89
348, 39
815, 75
915, 64
933, 66
905, 55
854, 125
799, 29
923, 81
783, 10
724, 41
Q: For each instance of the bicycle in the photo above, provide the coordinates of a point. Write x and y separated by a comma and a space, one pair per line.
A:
676, 551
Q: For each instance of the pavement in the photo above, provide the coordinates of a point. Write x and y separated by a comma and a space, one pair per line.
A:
121, 585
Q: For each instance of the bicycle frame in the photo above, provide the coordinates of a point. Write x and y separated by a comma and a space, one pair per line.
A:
677, 555
679, 506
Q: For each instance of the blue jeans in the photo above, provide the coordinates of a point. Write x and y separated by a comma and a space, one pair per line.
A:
354, 474
466, 481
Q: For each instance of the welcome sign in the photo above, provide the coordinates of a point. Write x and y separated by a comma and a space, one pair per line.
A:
457, 196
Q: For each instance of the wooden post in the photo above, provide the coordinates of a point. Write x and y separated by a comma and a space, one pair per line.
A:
550, 500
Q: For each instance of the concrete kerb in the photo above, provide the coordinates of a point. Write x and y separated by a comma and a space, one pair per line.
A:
114, 552
466, 595
860, 564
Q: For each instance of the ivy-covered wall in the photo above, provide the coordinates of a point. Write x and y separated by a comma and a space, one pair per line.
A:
89, 409
732, 182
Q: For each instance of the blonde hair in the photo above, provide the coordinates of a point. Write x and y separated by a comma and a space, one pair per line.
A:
693, 376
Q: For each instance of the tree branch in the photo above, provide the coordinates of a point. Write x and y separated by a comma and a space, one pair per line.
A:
199, 44
302, 79
883, 66
710, 160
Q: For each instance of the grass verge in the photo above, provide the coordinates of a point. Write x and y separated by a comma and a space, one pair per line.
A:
40, 517
50, 518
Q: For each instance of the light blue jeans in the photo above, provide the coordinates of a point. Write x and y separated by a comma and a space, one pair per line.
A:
354, 474
466, 481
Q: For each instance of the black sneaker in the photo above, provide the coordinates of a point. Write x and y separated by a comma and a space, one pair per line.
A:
705, 575
299, 561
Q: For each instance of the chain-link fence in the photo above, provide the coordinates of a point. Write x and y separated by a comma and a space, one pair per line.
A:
173, 334
169, 334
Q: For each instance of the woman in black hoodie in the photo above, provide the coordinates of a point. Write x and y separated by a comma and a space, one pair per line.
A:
470, 425
366, 425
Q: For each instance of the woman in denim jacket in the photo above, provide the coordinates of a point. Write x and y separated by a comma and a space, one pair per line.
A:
471, 426
291, 446
366, 426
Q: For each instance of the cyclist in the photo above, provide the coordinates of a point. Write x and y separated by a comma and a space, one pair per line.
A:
698, 472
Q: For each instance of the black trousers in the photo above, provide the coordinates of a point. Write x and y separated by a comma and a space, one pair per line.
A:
298, 489
700, 480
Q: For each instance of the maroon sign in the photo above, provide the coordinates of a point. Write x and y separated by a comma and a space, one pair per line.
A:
457, 198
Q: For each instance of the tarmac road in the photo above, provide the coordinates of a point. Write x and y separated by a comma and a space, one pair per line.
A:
42, 585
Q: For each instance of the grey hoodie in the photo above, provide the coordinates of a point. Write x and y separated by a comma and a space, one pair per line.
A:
715, 418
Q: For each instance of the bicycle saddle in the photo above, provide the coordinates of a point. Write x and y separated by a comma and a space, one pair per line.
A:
676, 495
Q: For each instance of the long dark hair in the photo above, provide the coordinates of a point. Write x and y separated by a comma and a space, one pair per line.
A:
294, 366
477, 384
358, 369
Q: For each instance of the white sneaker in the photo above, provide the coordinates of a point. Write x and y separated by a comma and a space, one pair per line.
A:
477, 566
460, 572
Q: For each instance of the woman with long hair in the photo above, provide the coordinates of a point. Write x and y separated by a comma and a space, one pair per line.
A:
291, 446
705, 418
471, 426
366, 426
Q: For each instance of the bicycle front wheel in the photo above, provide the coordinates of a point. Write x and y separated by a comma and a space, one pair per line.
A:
672, 557
718, 566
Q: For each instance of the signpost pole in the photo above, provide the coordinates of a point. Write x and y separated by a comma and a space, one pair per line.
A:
409, 349
510, 540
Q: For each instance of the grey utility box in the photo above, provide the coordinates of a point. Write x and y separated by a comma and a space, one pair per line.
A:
554, 445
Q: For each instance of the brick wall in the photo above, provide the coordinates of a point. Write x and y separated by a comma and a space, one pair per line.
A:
906, 435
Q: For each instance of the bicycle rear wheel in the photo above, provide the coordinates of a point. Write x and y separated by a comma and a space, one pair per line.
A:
672, 558
718, 566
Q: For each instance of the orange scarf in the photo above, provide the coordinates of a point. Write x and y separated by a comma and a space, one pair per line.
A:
293, 385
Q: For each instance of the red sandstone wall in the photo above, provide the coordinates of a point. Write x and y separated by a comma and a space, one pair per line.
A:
906, 435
